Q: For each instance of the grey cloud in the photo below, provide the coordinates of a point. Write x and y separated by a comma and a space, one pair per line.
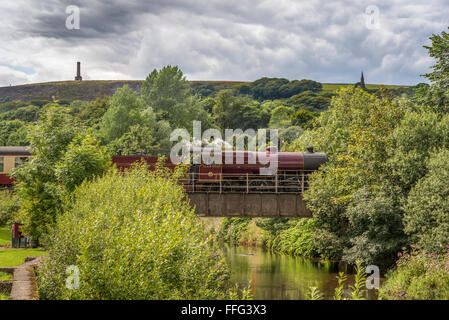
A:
220, 40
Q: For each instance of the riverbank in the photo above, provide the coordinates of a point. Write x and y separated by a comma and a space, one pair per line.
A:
236, 231
289, 236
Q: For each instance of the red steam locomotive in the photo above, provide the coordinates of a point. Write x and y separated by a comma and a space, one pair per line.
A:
237, 171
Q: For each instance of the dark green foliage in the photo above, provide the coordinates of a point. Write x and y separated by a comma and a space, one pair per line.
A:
232, 112
13, 133
309, 100
279, 88
91, 113
275, 225
27, 114
10, 106
376, 229
204, 90
427, 208
417, 135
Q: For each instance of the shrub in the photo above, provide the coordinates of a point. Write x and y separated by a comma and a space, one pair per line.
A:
296, 240
426, 213
419, 275
133, 236
233, 229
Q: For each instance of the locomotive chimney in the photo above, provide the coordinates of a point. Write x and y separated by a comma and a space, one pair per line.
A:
310, 149
271, 149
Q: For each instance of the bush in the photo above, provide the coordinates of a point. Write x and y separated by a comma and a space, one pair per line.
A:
297, 240
133, 236
233, 229
419, 275
376, 231
8, 207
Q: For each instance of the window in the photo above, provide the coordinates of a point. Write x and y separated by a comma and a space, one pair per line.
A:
18, 161
1, 164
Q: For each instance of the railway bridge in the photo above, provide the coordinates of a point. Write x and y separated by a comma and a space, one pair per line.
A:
263, 196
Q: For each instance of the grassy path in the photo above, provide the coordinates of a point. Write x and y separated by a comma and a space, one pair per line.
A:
15, 257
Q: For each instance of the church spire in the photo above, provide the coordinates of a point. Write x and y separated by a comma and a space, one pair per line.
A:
362, 81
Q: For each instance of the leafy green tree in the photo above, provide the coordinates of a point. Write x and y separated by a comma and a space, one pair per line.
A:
279, 88
63, 156
232, 112
126, 110
168, 93
289, 135
131, 125
436, 97
438, 50
83, 159
11, 105
413, 140
355, 132
427, 208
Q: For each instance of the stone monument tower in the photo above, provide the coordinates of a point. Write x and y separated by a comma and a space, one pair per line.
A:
78, 72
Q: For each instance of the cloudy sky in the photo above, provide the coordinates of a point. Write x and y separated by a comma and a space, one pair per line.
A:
327, 41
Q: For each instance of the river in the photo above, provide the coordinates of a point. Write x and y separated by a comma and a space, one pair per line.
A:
282, 277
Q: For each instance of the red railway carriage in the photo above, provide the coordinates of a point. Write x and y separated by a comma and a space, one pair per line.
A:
10, 158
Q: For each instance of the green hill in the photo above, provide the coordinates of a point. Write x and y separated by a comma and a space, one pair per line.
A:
89, 90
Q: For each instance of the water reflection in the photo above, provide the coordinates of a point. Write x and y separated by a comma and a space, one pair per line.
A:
282, 277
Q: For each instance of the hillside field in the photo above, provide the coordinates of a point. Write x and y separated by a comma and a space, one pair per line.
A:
89, 90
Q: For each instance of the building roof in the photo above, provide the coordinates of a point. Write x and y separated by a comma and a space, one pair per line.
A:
12, 151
